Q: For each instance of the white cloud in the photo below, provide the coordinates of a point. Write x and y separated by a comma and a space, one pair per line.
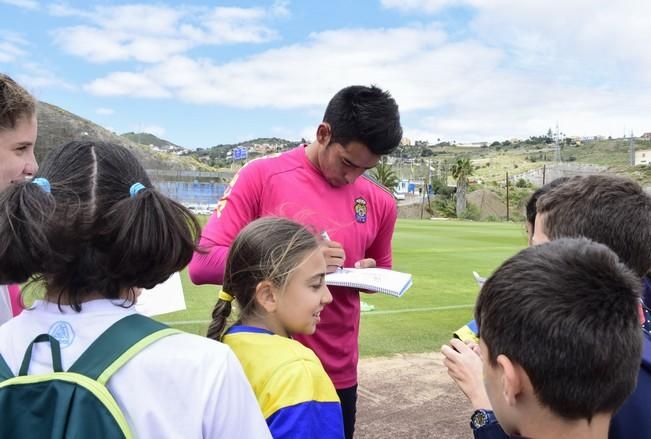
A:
12, 46
25, 4
105, 111
429, 6
280, 8
153, 33
126, 83
9, 51
598, 39
278, 77
156, 130
35, 77
522, 69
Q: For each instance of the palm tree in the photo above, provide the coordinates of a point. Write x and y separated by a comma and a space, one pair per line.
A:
461, 170
383, 173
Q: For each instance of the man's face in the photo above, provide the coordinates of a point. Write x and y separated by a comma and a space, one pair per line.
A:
17, 160
342, 165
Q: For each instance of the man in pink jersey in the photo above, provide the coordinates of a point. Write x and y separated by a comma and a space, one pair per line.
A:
322, 185
17, 162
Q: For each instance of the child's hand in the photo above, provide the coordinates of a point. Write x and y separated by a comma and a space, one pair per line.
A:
465, 368
334, 255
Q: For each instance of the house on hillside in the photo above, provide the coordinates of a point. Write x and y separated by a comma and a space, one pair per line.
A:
643, 157
472, 144
408, 186
646, 136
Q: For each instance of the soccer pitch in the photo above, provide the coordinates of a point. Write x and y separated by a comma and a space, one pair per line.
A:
441, 256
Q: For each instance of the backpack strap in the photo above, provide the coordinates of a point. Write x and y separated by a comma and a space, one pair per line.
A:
54, 348
5, 371
118, 344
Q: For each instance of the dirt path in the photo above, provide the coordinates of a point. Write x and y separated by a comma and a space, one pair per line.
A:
409, 396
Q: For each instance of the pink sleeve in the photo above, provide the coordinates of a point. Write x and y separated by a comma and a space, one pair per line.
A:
238, 207
16, 300
380, 250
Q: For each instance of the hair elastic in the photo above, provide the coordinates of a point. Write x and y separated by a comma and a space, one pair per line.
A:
223, 295
43, 184
135, 188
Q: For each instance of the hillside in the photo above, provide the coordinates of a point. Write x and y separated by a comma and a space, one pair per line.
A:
152, 140
220, 155
491, 163
57, 126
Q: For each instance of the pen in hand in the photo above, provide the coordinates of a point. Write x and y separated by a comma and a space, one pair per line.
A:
326, 237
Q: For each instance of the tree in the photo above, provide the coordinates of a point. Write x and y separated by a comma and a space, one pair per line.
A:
461, 170
383, 173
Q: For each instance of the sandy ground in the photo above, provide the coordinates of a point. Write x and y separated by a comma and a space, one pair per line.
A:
409, 396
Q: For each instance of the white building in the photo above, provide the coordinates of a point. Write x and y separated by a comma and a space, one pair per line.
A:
643, 157
472, 144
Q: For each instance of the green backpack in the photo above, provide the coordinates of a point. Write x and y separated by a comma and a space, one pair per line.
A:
76, 403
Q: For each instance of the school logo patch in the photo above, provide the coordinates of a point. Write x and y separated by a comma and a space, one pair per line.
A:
361, 210
63, 332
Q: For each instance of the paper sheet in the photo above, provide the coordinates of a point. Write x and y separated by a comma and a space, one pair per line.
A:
163, 298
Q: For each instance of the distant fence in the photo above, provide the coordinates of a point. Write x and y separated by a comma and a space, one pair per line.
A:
552, 172
192, 193
191, 187
194, 175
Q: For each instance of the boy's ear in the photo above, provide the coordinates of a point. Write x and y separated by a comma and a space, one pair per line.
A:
266, 297
324, 133
513, 379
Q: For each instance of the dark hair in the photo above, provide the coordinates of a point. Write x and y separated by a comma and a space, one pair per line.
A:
566, 311
367, 115
533, 199
89, 234
268, 249
612, 210
15, 103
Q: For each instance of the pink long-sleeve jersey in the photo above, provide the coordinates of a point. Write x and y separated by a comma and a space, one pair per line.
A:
360, 216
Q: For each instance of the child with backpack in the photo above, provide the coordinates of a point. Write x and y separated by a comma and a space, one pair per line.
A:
276, 273
92, 231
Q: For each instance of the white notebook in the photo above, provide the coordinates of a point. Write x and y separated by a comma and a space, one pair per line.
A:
163, 298
394, 283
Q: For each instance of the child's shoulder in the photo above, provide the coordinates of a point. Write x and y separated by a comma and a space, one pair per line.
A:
277, 351
188, 351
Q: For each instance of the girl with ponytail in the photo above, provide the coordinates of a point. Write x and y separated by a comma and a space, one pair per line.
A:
275, 272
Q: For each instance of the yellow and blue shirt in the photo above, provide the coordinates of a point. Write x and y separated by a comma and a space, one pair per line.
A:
295, 394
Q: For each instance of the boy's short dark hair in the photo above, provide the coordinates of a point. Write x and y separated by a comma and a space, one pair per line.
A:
609, 209
566, 312
15, 103
367, 115
530, 208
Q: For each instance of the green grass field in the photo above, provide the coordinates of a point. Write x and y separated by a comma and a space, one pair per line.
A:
441, 255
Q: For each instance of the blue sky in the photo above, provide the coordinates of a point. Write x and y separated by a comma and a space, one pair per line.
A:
203, 73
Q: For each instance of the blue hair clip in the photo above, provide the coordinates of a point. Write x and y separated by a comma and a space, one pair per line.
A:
43, 183
135, 188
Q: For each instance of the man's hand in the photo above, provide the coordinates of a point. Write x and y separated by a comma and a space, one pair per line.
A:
465, 367
334, 255
365, 263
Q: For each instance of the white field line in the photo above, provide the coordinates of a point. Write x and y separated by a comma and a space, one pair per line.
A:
364, 314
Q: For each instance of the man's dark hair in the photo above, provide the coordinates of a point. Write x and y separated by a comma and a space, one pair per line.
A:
566, 311
612, 210
530, 208
89, 235
367, 115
